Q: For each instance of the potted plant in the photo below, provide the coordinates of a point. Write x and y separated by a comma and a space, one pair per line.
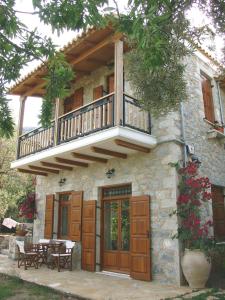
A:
193, 231
21, 229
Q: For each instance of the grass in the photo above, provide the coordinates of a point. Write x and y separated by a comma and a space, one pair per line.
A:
14, 288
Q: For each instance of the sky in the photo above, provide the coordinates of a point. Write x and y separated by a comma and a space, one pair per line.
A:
33, 105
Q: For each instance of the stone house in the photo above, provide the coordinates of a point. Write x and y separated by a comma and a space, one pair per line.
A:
103, 178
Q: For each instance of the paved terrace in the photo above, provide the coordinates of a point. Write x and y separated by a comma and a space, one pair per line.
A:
92, 286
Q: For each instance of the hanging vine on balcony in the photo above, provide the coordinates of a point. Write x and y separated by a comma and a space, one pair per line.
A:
60, 74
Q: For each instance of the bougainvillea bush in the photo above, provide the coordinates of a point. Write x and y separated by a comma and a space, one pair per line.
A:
27, 207
194, 192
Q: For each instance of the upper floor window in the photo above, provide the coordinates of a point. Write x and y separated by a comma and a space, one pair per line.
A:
207, 98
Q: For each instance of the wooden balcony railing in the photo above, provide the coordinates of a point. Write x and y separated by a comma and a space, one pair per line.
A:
134, 116
36, 140
90, 118
93, 117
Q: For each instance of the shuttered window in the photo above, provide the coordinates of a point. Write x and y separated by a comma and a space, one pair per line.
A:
88, 235
218, 212
75, 215
207, 98
49, 216
97, 92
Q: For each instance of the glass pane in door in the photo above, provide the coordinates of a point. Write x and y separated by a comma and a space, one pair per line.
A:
125, 225
64, 229
111, 225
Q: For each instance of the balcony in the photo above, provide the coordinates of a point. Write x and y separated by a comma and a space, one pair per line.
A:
85, 128
114, 125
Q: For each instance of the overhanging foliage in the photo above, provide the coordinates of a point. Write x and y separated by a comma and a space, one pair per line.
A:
158, 29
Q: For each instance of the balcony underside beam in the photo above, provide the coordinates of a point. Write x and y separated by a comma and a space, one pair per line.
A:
132, 146
108, 152
90, 158
32, 172
71, 162
47, 170
56, 166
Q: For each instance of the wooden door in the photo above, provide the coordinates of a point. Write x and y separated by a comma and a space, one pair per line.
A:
97, 92
75, 216
140, 238
74, 101
49, 216
116, 235
110, 83
218, 212
89, 235
208, 99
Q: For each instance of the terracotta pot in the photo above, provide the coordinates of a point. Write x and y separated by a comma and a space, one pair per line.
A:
21, 232
196, 268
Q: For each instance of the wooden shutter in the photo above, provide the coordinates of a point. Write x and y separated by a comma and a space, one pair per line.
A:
97, 92
110, 83
49, 216
89, 235
74, 101
75, 217
208, 99
140, 238
218, 212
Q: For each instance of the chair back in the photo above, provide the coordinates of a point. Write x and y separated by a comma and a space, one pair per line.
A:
20, 245
70, 244
44, 241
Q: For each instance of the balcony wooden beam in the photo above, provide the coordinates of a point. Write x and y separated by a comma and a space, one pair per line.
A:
56, 166
97, 47
44, 169
32, 172
132, 146
71, 162
109, 152
90, 158
35, 88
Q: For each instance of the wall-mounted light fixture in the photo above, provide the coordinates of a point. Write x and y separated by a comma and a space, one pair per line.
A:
196, 160
62, 181
110, 173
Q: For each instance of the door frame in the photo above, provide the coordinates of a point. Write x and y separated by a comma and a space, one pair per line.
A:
110, 198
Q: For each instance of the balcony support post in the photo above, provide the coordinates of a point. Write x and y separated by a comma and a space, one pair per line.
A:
118, 111
20, 123
56, 127
21, 115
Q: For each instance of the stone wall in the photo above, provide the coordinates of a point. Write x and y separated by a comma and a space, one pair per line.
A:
211, 152
149, 174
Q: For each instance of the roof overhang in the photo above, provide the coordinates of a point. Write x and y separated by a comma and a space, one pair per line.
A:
85, 54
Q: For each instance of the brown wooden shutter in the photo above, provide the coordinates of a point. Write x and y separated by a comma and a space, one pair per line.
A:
110, 83
89, 235
208, 99
75, 217
140, 238
49, 216
74, 101
97, 92
218, 212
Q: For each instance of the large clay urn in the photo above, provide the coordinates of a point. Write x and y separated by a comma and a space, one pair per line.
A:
196, 268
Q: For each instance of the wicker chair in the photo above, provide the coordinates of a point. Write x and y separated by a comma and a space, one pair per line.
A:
27, 257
